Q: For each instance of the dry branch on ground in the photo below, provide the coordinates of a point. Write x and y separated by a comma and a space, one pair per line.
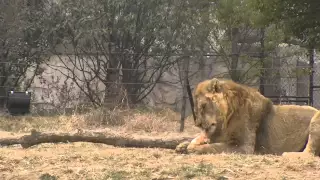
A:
105, 137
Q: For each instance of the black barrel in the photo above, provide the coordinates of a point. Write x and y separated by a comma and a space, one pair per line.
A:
18, 103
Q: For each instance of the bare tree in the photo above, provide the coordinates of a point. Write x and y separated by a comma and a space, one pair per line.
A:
124, 45
22, 44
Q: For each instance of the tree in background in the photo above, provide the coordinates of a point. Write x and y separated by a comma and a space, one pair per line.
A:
124, 44
127, 45
299, 19
300, 24
22, 43
236, 33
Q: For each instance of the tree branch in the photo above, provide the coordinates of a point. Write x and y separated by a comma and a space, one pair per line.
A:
105, 137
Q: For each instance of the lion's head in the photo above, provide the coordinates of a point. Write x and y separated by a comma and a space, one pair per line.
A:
216, 102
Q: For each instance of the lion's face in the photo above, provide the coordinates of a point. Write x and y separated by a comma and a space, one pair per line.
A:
209, 115
210, 108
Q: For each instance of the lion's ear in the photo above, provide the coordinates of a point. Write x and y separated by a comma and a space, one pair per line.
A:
214, 86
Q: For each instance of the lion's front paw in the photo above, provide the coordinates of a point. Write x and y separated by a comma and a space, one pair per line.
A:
182, 147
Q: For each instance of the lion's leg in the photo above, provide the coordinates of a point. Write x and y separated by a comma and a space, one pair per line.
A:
313, 145
214, 148
199, 145
199, 140
311, 149
249, 141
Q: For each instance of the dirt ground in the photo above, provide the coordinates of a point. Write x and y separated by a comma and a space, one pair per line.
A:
101, 162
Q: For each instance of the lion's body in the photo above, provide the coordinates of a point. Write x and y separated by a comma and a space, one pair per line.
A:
237, 118
286, 129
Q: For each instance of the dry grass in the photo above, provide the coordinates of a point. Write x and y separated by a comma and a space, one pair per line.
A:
96, 161
147, 120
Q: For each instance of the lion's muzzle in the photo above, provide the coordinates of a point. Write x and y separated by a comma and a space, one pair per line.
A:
211, 129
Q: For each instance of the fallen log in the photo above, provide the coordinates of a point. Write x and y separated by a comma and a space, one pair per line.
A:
103, 137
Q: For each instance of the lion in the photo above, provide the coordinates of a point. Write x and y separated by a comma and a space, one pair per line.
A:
235, 118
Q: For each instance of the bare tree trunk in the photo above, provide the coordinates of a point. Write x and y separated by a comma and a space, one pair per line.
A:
273, 79
5, 86
112, 83
302, 82
202, 64
235, 74
311, 77
185, 66
3, 95
112, 87
262, 74
3, 83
